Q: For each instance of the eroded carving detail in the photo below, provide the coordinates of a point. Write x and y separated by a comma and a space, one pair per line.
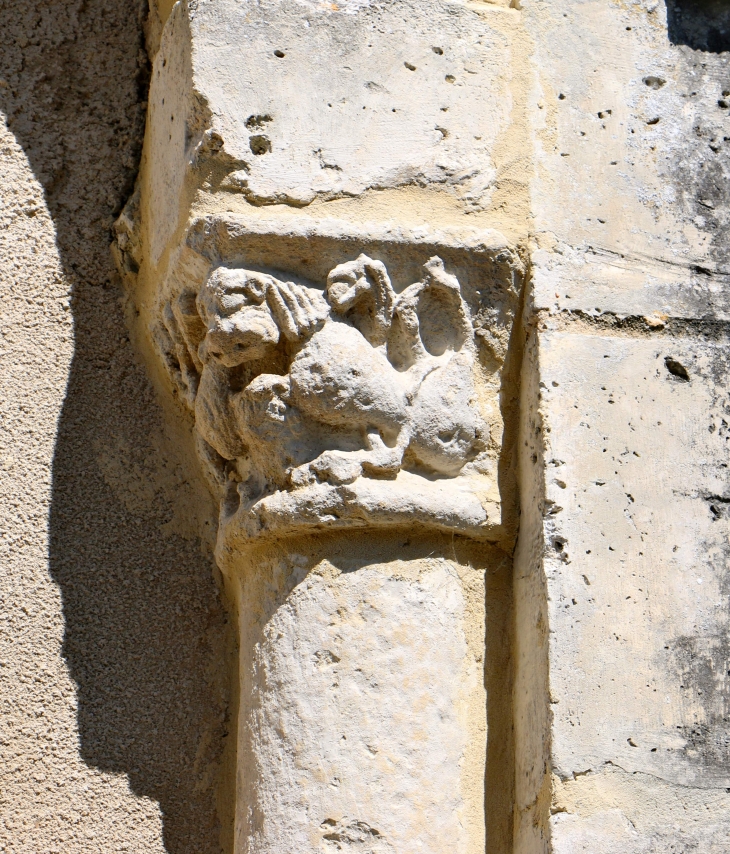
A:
351, 405
369, 380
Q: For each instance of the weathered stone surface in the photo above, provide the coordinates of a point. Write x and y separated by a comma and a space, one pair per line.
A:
366, 712
351, 375
319, 104
620, 684
304, 166
592, 138
423, 311
363, 403
635, 575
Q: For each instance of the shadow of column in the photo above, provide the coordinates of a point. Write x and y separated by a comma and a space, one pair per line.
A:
699, 24
146, 637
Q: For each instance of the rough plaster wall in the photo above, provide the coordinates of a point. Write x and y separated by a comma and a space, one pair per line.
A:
112, 710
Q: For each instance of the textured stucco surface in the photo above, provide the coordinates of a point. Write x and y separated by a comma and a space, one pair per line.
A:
113, 640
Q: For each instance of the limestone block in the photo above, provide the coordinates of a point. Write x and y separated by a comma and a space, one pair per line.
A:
629, 127
288, 103
621, 457
339, 207
345, 212
635, 538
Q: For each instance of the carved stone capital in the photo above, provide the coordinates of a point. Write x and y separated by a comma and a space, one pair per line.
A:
342, 377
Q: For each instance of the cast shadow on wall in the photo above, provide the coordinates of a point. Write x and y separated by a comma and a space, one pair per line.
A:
699, 24
144, 626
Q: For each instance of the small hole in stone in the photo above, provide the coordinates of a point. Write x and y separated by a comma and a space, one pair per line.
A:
260, 144
409, 66
450, 78
654, 82
438, 51
676, 369
257, 121
279, 53
561, 97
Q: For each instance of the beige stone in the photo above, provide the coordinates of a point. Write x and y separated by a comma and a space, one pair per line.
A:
415, 287
264, 192
365, 718
348, 378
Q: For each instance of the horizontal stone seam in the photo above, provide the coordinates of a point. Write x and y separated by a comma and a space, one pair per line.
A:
634, 326
656, 777
639, 260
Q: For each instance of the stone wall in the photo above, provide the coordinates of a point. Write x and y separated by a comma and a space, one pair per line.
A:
621, 566
596, 140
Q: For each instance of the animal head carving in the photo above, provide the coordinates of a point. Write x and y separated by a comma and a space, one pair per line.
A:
361, 291
246, 313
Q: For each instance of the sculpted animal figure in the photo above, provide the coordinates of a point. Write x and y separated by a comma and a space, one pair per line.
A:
372, 379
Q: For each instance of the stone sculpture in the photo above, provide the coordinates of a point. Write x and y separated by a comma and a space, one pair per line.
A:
370, 379
300, 392
347, 358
